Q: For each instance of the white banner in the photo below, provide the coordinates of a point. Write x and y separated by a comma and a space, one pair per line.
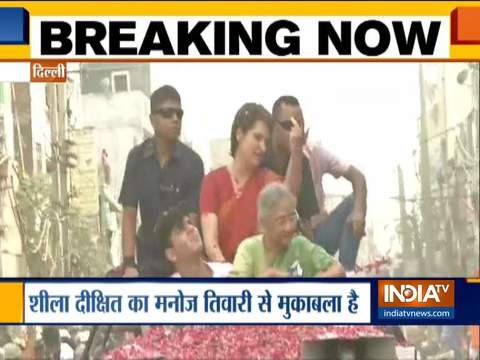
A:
186, 302
264, 37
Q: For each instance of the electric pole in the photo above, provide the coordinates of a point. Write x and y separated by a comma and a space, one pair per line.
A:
427, 235
449, 251
405, 229
57, 114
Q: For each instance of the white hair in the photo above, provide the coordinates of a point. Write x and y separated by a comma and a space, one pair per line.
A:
270, 197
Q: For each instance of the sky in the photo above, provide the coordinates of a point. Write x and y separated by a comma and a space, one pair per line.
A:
365, 113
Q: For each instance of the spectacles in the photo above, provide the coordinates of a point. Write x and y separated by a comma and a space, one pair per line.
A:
168, 112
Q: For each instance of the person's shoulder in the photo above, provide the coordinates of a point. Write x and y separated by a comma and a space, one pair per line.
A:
139, 149
315, 146
301, 241
189, 152
251, 242
322, 154
215, 180
185, 149
219, 173
269, 175
139, 152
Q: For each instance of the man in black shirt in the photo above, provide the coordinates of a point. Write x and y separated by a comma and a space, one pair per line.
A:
284, 109
160, 173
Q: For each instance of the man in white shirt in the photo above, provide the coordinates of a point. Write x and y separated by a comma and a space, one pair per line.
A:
342, 229
183, 246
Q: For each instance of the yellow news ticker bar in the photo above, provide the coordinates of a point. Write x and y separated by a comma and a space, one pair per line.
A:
242, 8
474, 281
11, 302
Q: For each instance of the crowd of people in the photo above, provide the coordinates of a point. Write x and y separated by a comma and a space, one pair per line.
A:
263, 214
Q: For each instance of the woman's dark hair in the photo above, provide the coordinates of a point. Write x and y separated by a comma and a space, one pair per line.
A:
245, 119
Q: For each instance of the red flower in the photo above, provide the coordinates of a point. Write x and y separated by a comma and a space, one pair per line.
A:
233, 342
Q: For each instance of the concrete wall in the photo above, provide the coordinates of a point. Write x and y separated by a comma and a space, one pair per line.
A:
41, 136
120, 121
12, 261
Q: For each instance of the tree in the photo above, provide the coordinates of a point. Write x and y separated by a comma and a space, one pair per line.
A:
37, 214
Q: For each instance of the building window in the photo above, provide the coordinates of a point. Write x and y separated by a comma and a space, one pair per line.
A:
120, 81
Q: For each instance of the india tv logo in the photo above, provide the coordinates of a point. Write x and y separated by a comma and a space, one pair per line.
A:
416, 299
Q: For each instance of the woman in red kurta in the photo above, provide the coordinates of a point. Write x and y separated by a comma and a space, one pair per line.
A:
228, 198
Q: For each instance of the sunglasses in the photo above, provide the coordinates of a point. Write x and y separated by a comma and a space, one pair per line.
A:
286, 125
168, 112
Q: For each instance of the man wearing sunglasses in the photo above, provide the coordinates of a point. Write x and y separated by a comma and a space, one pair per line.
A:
288, 139
160, 173
342, 229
